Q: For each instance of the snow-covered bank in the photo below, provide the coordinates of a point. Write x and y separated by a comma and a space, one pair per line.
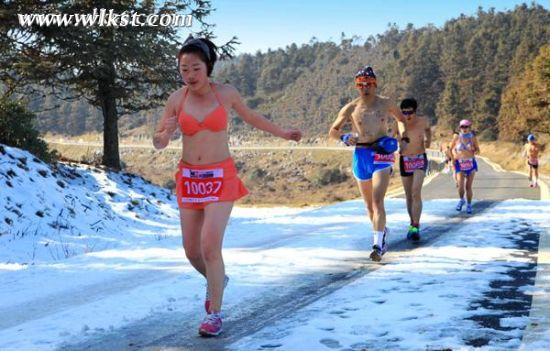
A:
48, 214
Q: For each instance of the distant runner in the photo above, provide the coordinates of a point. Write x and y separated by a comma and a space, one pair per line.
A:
450, 159
374, 150
445, 149
413, 163
449, 162
464, 147
531, 151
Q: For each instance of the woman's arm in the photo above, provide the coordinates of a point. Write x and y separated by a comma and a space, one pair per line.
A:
168, 123
476, 146
257, 120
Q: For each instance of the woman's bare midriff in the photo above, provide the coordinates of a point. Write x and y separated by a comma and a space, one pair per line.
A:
205, 147
464, 155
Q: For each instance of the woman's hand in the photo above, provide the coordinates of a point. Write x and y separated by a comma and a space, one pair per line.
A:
170, 124
292, 134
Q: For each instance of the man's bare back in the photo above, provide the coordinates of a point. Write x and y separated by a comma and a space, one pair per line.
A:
532, 150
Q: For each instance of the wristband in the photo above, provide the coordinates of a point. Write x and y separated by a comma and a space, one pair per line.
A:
345, 138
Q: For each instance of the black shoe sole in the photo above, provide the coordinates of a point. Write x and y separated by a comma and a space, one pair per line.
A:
375, 256
205, 334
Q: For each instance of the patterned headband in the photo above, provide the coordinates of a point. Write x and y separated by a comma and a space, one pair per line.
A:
200, 44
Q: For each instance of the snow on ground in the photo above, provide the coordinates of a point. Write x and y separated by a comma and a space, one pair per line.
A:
107, 251
423, 301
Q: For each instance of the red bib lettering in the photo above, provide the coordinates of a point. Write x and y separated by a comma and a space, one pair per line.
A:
204, 185
379, 158
466, 165
413, 163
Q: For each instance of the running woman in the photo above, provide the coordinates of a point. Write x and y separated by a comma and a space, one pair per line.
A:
531, 151
207, 183
465, 147
374, 150
445, 149
416, 137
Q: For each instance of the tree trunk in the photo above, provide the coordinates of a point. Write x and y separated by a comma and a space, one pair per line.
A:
111, 156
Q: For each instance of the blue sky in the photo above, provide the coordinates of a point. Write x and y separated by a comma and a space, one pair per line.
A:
263, 24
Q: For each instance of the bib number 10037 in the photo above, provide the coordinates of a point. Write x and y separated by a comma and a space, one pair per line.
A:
201, 187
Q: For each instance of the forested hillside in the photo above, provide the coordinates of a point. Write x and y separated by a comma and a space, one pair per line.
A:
460, 70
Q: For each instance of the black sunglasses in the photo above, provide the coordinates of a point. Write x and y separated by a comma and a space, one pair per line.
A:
407, 112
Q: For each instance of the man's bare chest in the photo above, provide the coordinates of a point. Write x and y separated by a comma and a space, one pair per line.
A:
368, 116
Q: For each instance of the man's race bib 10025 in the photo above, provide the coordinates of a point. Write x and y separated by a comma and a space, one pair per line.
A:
413, 163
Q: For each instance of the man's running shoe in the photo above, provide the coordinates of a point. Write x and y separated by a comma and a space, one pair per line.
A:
377, 251
207, 297
413, 233
461, 203
469, 209
211, 325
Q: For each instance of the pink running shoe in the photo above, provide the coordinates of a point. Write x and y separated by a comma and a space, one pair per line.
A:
207, 298
211, 325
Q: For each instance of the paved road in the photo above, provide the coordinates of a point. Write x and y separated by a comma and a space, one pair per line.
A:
169, 331
164, 331
489, 184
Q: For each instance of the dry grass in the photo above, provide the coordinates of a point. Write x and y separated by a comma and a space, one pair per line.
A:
509, 156
274, 178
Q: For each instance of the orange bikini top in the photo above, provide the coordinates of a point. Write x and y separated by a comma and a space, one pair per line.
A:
215, 121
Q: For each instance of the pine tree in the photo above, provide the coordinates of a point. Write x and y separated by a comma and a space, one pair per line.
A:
526, 101
119, 70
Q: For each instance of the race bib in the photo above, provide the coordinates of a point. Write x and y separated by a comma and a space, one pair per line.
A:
534, 161
412, 163
201, 185
467, 164
383, 159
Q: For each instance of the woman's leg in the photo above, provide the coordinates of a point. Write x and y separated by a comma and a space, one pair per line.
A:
461, 180
216, 216
469, 185
191, 226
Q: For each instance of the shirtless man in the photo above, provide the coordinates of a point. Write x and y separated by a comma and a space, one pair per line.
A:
369, 116
531, 151
416, 137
